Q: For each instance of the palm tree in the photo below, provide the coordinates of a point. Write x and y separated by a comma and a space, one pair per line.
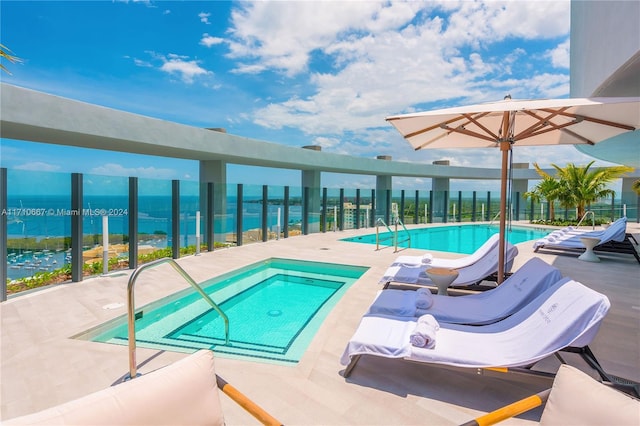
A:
580, 186
6, 53
548, 189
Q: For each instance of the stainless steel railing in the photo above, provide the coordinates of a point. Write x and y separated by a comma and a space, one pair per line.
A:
131, 307
394, 233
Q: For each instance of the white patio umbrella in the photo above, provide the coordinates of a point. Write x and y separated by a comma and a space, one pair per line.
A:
523, 122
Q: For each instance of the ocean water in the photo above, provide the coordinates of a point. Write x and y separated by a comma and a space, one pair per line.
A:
49, 217
35, 216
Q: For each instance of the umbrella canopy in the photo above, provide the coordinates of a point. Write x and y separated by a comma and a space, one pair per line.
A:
522, 122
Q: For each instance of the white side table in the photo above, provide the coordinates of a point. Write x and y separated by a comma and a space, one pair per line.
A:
589, 255
442, 278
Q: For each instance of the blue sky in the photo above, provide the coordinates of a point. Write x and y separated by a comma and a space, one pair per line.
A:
292, 72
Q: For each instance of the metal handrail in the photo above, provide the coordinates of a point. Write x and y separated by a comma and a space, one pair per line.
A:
398, 221
379, 222
394, 233
593, 219
494, 219
131, 307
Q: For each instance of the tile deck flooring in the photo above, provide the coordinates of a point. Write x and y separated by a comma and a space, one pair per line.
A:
41, 365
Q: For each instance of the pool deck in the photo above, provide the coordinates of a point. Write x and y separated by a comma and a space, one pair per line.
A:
41, 365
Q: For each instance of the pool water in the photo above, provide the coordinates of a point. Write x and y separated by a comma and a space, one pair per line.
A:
274, 308
455, 238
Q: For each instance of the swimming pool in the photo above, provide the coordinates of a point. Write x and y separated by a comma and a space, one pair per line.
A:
274, 307
456, 238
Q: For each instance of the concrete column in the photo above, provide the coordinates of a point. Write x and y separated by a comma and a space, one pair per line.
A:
383, 183
311, 179
440, 187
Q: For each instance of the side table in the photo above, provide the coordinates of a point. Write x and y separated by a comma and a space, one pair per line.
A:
442, 278
589, 255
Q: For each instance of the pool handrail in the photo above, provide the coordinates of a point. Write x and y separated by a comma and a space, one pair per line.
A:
397, 221
408, 240
131, 306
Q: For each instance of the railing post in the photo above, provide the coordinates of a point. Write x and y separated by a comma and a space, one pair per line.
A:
324, 210
305, 210
417, 210
239, 208
175, 218
133, 222
3, 234
341, 210
474, 206
285, 217
372, 218
265, 213
358, 208
76, 227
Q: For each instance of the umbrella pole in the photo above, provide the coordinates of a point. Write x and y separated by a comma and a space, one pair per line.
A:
504, 147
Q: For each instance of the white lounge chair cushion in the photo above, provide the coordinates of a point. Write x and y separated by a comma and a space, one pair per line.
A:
460, 262
183, 393
531, 280
577, 399
571, 238
567, 315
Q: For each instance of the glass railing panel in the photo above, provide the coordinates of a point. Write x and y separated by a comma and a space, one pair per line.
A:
295, 211
275, 212
332, 209
350, 210
440, 206
38, 227
154, 217
252, 214
105, 217
396, 206
189, 211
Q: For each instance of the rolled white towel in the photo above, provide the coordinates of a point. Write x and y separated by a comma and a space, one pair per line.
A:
424, 298
426, 258
424, 335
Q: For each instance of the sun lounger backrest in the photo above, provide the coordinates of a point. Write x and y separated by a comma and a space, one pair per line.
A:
532, 279
616, 231
567, 314
486, 266
485, 248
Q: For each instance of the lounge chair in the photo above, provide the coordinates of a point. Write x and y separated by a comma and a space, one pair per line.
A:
563, 318
524, 285
612, 239
435, 262
483, 269
575, 399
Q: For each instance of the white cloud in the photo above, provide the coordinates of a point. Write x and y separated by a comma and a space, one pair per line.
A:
204, 17
388, 58
112, 169
188, 70
209, 41
38, 166
560, 55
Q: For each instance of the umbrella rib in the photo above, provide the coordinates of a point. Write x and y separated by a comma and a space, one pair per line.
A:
477, 123
593, 120
535, 128
427, 129
470, 133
